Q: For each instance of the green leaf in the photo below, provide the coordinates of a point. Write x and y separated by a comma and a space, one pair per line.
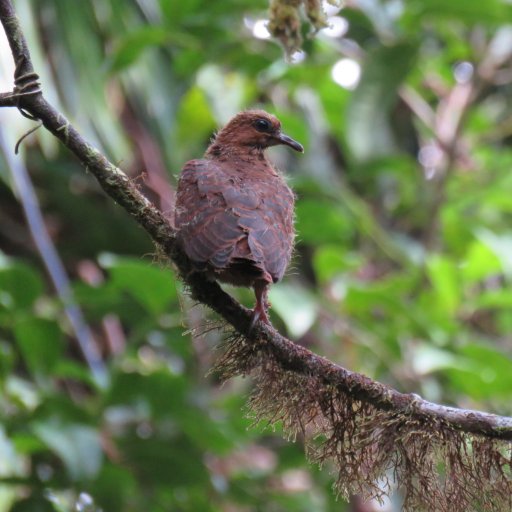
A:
331, 260
26, 443
11, 463
68, 369
226, 91
368, 130
500, 245
195, 122
427, 359
41, 343
151, 286
137, 41
482, 372
444, 276
113, 487
154, 459
203, 432
161, 390
295, 305
176, 12
79, 446
463, 11
498, 299
7, 359
20, 286
480, 262
321, 221
35, 503
22, 392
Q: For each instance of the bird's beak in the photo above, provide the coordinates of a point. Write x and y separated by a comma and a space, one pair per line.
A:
284, 139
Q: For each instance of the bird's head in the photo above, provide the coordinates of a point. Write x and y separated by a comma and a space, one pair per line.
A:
253, 129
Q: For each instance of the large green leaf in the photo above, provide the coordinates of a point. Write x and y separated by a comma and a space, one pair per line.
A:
296, 306
321, 221
78, 446
445, 279
41, 343
20, 285
482, 372
467, 11
134, 44
149, 284
330, 260
35, 503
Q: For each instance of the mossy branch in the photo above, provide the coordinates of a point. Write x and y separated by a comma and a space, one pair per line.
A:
373, 433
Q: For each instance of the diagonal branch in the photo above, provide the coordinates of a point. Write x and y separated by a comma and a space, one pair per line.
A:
367, 428
292, 357
308, 393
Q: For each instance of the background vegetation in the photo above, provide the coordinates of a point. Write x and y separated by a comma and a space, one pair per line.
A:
402, 269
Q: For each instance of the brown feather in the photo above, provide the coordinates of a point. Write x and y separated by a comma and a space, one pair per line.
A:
234, 212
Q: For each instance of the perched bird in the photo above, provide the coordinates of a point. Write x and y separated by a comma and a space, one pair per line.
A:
234, 211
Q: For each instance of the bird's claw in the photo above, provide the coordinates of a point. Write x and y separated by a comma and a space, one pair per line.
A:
258, 313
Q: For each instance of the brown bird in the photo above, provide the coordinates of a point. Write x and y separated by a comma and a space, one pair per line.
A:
234, 211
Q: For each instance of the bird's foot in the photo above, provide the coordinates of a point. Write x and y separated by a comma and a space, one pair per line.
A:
259, 313
262, 304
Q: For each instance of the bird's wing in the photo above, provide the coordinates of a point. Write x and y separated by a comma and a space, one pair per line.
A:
207, 228
270, 226
223, 218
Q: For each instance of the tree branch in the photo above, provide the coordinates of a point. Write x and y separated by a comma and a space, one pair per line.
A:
294, 357
266, 352
7, 99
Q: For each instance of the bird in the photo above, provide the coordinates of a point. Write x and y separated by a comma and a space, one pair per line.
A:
234, 212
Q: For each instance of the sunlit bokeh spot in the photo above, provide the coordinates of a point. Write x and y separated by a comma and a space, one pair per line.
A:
463, 71
331, 9
338, 27
346, 72
260, 29
430, 157
85, 503
297, 57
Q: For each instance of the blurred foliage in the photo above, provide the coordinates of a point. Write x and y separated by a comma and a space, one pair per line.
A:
403, 265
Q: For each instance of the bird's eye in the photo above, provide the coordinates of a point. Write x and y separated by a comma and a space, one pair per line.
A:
263, 125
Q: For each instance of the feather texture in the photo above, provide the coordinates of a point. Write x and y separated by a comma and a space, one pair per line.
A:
234, 211
228, 219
